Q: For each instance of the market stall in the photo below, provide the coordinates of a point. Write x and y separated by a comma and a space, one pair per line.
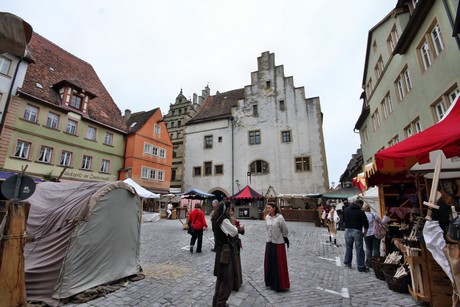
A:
248, 203
424, 196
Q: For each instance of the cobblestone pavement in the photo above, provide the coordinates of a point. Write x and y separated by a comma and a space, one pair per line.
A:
174, 277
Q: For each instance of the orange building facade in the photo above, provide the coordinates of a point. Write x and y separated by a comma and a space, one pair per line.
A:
149, 151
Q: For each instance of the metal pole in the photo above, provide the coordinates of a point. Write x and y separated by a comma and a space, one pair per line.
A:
233, 157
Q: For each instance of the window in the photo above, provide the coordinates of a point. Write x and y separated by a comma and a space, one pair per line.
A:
108, 139
66, 158
302, 164
179, 124
207, 168
425, 55
147, 148
145, 172
4, 65
45, 154
387, 106
453, 95
157, 129
71, 127
418, 126
52, 121
105, 166
393, 39
173, 175
286, 136
255, 110
440, 110
403, 84
408, 131
207, 141
379, 68
175, 152
282, 106
218, 169
436, 37
393, 141
254, 137
154, 151
267, 84
86, 162
259, 167
219, 139
365, 135
75, 102
22, 150
376, 120
161, 175
31, 113
197, 171
153, 174
162, 153
91, 133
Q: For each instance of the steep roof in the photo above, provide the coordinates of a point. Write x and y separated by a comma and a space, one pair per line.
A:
137, 120
218, 106
53, 65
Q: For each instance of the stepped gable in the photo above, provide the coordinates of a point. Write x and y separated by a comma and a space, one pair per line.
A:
137, 120
218, 106
53, 65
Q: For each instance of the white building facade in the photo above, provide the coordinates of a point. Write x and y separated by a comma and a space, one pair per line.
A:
266, 134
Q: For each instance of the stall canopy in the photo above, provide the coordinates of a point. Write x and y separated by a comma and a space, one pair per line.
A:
342, 193
445, 136
196, 194
140, 190
247, 193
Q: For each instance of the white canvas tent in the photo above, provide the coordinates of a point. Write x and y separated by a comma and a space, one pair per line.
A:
86, 234
371, 197
144, 193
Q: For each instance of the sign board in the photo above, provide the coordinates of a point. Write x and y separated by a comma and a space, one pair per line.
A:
18, 187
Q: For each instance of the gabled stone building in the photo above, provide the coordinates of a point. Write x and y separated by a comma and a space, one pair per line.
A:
179, 113
266, 134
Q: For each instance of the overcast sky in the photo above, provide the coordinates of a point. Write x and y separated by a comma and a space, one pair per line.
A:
146, 51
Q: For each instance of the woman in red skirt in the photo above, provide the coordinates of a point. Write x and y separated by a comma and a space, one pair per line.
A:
275, 263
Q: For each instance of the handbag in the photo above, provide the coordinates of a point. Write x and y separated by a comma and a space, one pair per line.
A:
190, 230
379, 230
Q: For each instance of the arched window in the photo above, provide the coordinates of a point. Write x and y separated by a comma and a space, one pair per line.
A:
259, 167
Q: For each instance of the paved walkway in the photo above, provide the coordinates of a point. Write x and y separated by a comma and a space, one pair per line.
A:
174, 277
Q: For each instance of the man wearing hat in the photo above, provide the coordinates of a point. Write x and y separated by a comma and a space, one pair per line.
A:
356, 225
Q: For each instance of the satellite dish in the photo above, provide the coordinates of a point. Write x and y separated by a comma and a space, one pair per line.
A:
18, 187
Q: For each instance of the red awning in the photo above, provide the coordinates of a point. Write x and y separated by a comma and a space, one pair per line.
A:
445, 136
247, 193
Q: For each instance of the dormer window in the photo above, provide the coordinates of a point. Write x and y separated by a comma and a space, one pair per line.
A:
75, 102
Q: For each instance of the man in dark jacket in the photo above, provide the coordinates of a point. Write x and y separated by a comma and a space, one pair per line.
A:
356, 226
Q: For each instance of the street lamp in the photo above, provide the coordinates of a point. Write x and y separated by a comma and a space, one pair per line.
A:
232, 122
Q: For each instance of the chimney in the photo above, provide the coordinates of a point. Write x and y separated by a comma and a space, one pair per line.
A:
127, 115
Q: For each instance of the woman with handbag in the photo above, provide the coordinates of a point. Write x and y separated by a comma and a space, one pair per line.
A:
371, 239
197, 225
224, 263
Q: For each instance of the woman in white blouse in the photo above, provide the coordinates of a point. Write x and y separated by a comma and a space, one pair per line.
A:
276, 273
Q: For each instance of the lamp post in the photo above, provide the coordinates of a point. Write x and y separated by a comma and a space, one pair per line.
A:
232, 122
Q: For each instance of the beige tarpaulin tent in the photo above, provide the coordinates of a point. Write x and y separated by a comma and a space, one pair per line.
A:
86, 234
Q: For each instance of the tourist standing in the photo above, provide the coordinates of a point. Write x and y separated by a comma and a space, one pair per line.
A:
198, 224
355, 222
276, 273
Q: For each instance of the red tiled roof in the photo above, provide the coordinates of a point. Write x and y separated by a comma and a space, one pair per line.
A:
54, 65
218, 106
137, 120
